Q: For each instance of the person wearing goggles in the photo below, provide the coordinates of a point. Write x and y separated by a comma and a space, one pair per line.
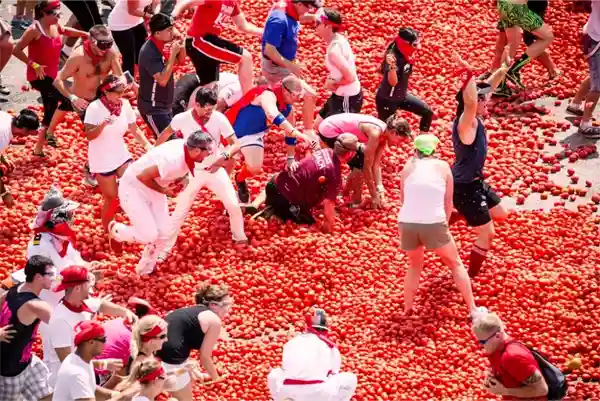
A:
142, 194
43, 41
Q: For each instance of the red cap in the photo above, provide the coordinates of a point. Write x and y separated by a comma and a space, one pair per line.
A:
52, 5
88, 330
72, 276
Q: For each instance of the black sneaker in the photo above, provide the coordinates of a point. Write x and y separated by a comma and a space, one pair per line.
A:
590, 132
515, 78
3, 89
243, 193
574, 110
503, 91
485, 76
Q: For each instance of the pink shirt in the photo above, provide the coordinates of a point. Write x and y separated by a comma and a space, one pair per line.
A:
118, 341
338, 124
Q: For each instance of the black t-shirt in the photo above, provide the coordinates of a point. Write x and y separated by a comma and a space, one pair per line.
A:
16, 355
185, 86
153, 98
403, 70
183, 334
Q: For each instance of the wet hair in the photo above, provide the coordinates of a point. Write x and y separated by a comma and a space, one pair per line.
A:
143, 326
27, 119
139, 370
39, 9
36, 265
206, 96
398, 124
141, 310
333, 16
408, 34
101, 32
211, 293
110, 78
292, 83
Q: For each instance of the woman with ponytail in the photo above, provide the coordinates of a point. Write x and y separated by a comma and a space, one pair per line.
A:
147, 338
396, 68
108, 119
150, 377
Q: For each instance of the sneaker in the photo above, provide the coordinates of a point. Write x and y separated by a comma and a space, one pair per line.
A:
515, 78
51, 139
249, 209
145, 267
113, 244
485, 76
590, 132
571, 108
503, 91
478, 312
3, 89
243, 193
88, 177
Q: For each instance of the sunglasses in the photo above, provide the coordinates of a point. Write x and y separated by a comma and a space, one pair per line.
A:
100, 340
54, 13
103, 45
484, 342
161, 337
297, 94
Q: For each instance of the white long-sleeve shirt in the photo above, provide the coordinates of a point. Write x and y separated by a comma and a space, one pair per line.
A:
306, 357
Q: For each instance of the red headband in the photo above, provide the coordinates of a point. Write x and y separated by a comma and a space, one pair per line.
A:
324, 20
152, 375
152, 334
52, 5
112, 85
405, 48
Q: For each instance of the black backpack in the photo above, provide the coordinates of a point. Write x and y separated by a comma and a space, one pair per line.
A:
554, 377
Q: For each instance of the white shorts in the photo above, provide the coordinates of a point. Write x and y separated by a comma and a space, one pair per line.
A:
252, 140
177, 381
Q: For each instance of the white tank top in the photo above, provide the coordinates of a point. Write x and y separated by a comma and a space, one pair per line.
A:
424, 191
119, 18
346, 51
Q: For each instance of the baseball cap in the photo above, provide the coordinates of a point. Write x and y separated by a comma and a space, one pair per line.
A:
54, 198
426, 143
72, 276
160, 22
87, 330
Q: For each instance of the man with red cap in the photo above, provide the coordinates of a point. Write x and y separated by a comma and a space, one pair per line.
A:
311, 367
22, 374
75, 307
76, 380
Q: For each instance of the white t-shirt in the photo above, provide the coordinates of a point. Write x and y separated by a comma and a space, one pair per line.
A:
108, 151
228, 89
168, 157
5, 131
306, 357
141, 398
119, 18
347, 54
592, 27
75, 380
60, 333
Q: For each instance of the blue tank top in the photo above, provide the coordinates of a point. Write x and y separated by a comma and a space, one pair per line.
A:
470, 159
253, 120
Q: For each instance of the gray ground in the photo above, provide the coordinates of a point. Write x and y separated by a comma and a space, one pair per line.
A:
14, 77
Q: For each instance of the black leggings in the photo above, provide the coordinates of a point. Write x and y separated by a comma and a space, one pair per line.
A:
86, 12
51, 97
412, 104
130, 42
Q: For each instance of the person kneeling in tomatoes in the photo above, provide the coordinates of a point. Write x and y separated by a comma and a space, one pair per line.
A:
25, 123
311, 367
292, 194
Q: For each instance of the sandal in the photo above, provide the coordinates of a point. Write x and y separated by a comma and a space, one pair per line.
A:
41, 154
51, 140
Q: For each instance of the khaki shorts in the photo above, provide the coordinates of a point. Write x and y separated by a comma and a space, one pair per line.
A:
432, 236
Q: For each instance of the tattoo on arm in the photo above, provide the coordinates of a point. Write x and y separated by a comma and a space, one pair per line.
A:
534, 378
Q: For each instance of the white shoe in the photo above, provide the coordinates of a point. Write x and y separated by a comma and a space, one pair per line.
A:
145, 267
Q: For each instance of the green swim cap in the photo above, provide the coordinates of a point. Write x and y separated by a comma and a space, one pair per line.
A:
426, 143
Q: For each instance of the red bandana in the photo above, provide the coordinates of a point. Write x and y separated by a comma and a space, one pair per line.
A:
152, 375
152, 334
322, 336
278, 91
87, 50
62, 230
288, 5
188, 160
405, 48
76, 309
113, 108
160, 45
200, 120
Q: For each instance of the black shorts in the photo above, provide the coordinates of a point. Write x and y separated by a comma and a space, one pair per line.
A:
358, 160
342, 104
86, 12
283, 208
208, 52
67, 106
474, 201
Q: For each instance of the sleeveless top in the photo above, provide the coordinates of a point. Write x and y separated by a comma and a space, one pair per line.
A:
424, 191
184, 334
346, 52
336, 125
16, 355
470, 159
44, 51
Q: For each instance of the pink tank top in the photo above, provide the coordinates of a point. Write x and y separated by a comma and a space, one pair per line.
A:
338, 124
44, 51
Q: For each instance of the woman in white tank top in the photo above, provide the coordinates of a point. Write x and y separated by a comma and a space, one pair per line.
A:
343, 80
426, 205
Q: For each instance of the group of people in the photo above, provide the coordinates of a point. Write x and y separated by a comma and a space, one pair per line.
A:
200, 123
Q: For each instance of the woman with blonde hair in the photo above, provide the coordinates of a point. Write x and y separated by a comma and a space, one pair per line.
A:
194, 328
148, 337
150, 377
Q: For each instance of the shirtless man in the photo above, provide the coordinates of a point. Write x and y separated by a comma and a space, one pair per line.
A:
88, 65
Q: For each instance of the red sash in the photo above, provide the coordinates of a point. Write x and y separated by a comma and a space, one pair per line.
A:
233, 112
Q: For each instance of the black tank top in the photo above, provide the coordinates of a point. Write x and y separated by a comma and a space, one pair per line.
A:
183, 334
470, 159
16, 355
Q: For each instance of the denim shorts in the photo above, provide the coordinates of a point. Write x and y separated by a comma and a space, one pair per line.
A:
594, 63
